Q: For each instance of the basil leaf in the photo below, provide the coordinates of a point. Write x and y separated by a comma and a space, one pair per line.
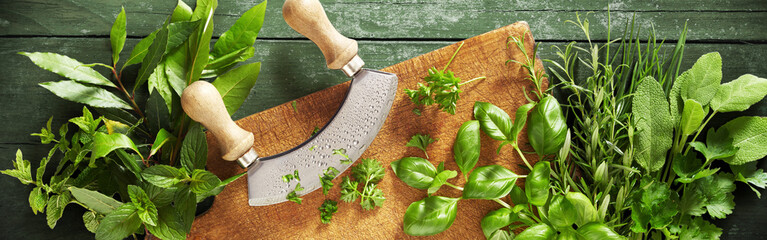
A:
539, 231
38, 200
675, 99
496, 220
520, 120
152, 58
203, 181
467, 146
584, 209
598, 231
489, 182
692, 117
120, 223
234, 86
147, 211
547, 128
139, 51
92, 96
561, 212
749, 137
430, 215
414, 171
163, 176
169, 225
55, 208
67, 67
182, 12
493, 120
97, 201
703, 79
739, 94
440, 180
654, 125
243, 33
104, 144
518, 196
194, 149
117, 35
537, 183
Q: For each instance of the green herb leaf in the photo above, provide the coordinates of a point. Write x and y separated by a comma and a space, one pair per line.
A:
699, 229
178, 33
243, 33
686, 165
159, 80
584, 209
55, 208
716, 192
46, 134
440, 180
520, 120
749, 174
371, 197
199, 41
194, 149
501, 235
234, 86
749, 137
326, 179
414, 171
420, 141
153, 57
518, 196
467, 146
718, 145
163, 176
186, 205
598, 231
147, 211
349, 191
293, 196
496, 220
117, 35
489, 182
430, 215
703, 79
92, 96
561, 212
120, 223
539, 231
68, 67
654, 124
547, 128
163, 137
203, 181
654, 204
692, 117
676, 103
169, 225
22, 169
342, 152
38, 200
368, 170
91, 221
493, 121
139, 51
739, 94
96, 201
104, 144
327, 209
537, 183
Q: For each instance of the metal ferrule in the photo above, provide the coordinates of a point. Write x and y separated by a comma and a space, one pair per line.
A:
353, 66
248, 159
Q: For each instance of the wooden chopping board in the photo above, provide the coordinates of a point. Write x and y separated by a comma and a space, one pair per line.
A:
280, 128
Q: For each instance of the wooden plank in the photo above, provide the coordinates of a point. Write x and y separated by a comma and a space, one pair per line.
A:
740, 20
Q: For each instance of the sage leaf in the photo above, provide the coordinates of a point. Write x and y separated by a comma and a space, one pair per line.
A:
38, 200
739, 94
547, 128
440, 180
654, 124
91, 221
493, 120
414, 171
749, 136
489, 182
430, 215
203, 181
537, 184
120, 223
540, 231
194, 149
169, 225
703, 79
181, 13
598, 231
163, 137
68, 68
153, 57
467, 146
520, 120
243, 33
94, 200
139, 51
692, 117
104, 144
676, 103
234, 86
117, 35
147, 211
55, 208
92, 96
496, 220
163, 176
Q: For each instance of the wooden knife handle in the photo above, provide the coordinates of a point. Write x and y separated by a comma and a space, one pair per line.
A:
308, 18
202, 102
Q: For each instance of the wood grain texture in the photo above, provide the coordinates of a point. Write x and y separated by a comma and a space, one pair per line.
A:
280, 128
739, 20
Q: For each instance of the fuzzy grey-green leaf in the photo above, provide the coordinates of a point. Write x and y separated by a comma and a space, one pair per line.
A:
739, 94
93, 96
67, 67
654, 123
749, 134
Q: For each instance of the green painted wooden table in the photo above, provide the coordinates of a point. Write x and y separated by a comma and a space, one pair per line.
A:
389, 31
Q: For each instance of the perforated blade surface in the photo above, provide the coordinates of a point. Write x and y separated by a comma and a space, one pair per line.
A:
353, 128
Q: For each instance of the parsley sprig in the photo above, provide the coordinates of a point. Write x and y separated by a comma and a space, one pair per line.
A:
367, 173
327, 209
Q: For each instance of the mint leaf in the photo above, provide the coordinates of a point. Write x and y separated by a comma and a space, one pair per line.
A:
104, 144
749, 137
185, 203
68, 67
169, 225
739, 94
203, 181
91, 221
120, 223
420, 141
194, 149
38, 200
147, 211
162, 137
94, 200
86, 122
85, 94
46, 134
703, 79
117, 35
234, 86
55, 209
653, 123
22, 169
163, 176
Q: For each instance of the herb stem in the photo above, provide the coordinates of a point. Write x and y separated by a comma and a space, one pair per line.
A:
451, 58
454, 186
130, 97
474, 79
522, 155
504, 204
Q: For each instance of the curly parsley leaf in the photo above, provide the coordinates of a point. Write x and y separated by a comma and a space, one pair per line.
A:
369, 170
420, 141
327, 179
372, 197
327, 209
342, 152
349, 190
293, 196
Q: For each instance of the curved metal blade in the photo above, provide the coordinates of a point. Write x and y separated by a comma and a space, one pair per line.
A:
353, 128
